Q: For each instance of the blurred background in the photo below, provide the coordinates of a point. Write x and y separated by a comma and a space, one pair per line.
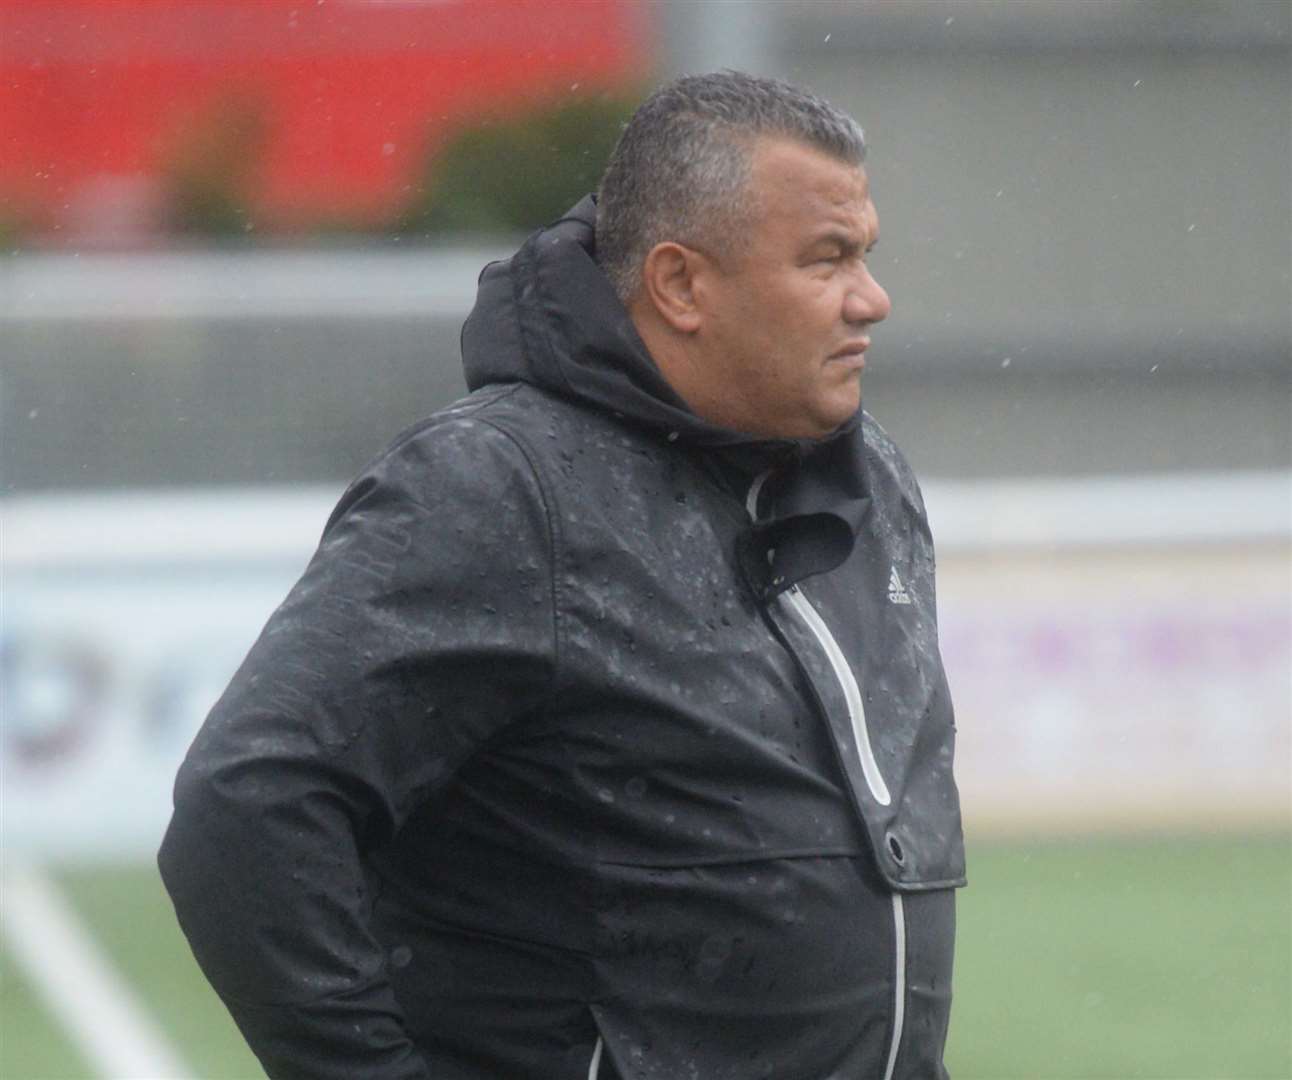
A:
239, 239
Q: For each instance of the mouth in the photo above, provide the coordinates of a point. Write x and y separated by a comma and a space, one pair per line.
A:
854, 352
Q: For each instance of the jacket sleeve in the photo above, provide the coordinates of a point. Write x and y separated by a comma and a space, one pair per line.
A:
423, 625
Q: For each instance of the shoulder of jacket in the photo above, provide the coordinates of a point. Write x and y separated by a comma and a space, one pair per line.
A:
488, 414
542, 422
491, 436
456, 450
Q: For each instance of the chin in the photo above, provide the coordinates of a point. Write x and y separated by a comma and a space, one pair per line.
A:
817, 422
841, 414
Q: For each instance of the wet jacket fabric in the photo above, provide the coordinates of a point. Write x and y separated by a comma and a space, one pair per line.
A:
594, 742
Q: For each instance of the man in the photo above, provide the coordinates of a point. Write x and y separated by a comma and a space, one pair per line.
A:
606, 733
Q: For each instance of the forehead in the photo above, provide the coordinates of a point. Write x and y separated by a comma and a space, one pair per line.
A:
800, 189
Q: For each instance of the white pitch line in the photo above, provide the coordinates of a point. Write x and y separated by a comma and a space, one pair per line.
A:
95, 1007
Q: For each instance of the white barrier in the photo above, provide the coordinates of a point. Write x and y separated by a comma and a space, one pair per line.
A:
1111, 688
1118, 650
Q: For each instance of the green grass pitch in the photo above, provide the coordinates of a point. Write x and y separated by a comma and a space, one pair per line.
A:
1156, 957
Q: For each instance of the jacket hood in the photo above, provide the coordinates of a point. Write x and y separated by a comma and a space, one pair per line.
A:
548, 316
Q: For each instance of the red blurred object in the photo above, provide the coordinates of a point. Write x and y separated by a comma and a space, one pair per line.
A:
320, 109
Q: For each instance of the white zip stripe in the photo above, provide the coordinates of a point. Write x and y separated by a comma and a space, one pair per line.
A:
851, 691
899, 983
869, 767
842, 670
751, 500
594, 1066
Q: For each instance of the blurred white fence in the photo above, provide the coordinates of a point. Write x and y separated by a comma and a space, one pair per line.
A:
1119, 650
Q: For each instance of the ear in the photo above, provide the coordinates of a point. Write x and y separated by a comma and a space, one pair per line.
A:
668, 284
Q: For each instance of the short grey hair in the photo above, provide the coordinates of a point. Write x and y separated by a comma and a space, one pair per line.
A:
682, 165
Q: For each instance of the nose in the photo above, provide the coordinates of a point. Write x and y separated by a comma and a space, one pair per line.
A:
865, 301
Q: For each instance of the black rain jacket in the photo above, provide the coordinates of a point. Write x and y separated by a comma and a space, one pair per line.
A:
594, 742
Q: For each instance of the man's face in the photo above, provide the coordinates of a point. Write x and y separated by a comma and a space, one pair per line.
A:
788, 312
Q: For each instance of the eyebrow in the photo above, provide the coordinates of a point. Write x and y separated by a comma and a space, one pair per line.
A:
846, 244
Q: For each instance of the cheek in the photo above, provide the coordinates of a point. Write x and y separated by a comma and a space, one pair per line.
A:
815, 299
812, 320
797, 308
781, 328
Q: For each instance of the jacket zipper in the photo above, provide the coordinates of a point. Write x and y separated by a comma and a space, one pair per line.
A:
802, 606
842, 671
878, 789
851, 691
899, 982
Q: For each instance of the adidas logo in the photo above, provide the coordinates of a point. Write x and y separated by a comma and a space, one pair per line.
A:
897, 593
